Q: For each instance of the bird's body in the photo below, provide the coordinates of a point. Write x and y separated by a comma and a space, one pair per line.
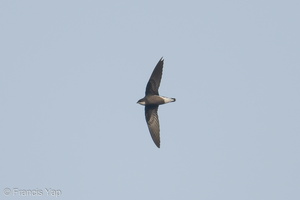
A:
152, 100
155, 100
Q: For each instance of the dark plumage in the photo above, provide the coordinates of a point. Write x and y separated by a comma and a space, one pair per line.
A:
152, 100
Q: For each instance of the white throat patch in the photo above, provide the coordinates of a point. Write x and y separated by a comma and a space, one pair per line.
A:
142, 103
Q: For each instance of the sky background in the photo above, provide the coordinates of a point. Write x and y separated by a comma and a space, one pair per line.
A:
71, 73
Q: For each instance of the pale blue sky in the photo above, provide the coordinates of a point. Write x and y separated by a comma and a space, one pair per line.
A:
71, 73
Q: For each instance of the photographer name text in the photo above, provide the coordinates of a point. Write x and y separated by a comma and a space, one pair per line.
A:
32, 192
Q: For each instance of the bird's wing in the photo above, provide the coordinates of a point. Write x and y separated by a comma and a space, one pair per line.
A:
154, 81
153, 123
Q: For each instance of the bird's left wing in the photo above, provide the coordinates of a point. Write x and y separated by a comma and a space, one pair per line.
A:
155, 78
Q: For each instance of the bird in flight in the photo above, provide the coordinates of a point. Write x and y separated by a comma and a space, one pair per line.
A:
152, 100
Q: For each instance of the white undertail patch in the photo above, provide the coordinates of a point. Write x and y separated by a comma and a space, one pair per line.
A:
168, 100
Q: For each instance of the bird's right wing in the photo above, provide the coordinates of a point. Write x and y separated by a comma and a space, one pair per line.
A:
155, 78
153, 123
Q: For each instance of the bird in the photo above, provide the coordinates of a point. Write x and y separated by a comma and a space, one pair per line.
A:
152, 100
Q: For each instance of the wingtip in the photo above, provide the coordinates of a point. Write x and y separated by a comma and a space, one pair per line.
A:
157, 143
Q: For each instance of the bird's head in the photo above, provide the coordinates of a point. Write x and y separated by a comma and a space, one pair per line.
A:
141, 101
